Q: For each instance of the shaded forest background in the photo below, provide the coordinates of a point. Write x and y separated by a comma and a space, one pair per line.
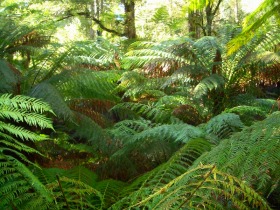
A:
137, 104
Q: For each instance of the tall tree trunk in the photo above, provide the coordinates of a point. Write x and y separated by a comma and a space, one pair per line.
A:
193, 21
211, 10
130, 29
209, 19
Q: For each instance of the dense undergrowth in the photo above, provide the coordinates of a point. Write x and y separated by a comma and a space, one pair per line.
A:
178, 124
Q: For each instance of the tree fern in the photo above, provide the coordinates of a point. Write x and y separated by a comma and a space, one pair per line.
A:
17, 184
224, 125
154, 143
248, 114
149, 112
251, 155
173, 186
212, 82
136, 86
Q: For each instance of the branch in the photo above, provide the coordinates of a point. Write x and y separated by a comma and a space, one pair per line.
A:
87, 15
217, 6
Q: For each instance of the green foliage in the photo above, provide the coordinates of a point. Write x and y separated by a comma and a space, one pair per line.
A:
149, 112
134, 111
253, 22
251, 155
161, 15
173, 185
18, 185
8, 78
212, 82
223, 125
248, 114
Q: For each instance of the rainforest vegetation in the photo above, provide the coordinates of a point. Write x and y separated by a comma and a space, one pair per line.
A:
134, 104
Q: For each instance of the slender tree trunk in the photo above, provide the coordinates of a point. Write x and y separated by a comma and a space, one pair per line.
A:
130, 29
193, 21
211, 10
236, 11
209, 20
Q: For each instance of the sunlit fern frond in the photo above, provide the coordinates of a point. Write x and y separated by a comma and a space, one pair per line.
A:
98, 54
18, 185
203, 187
173, 185
169, 102
253, 22
89, 84
251, 155
161, 15
160, 56
24, 109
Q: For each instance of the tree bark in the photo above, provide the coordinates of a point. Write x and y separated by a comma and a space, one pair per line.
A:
211, 11
130, 29
193, 20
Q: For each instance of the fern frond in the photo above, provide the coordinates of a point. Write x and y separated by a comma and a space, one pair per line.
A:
16, 180
156, 143
186, 76
224, 125
111, 191
161, 15
190, 190
88, 84
136, 86
251, 155
214, 81
88, 130
25, 103
73, 194
148, 112
18, 185
248, 114
52, 96
8, 78
148, 183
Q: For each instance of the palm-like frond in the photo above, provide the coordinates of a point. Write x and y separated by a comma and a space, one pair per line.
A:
262, 14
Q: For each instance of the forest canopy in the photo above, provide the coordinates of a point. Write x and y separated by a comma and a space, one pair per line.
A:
139, 104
